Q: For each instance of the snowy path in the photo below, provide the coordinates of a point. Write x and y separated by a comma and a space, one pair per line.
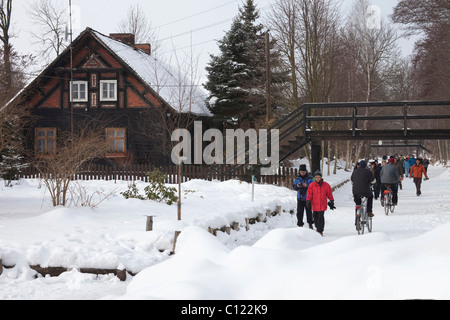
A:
413, 216
399, 249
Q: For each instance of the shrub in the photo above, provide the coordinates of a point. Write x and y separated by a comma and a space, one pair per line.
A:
156, 190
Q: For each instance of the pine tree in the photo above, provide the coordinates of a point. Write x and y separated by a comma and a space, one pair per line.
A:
236, 77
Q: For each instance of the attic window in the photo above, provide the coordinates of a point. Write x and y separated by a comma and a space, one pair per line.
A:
79, 91
108, 90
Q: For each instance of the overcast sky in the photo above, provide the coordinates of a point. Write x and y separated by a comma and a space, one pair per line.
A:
179, 23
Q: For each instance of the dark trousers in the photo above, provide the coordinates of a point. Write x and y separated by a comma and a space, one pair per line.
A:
358, 200
418, 182
319, 220
301, 207
376, 190
394, 190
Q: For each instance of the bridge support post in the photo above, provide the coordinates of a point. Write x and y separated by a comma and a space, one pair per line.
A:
315, 156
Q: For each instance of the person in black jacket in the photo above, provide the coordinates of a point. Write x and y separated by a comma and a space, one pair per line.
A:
301, 184
362, 179
375, 169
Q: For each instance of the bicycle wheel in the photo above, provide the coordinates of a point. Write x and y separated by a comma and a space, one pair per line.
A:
386, 203
392, 207
369, 224
358, 222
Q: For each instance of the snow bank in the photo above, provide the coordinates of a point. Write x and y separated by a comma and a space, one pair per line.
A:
284, 265
407, 255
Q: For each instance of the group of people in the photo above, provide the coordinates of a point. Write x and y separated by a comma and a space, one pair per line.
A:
313, 196
391, 172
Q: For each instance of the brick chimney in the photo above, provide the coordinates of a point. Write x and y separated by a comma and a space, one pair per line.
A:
145, 47
127, 38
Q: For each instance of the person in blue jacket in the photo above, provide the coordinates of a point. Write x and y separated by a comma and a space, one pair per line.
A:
301, 184
406, 166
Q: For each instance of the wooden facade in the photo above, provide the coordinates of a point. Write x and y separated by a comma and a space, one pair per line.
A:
106, 91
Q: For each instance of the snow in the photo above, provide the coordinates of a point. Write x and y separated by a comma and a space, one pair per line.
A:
406, 256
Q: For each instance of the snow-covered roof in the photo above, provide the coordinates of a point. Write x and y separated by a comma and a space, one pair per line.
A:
171, 84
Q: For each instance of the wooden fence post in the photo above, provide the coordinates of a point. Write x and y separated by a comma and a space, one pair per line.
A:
121, 273
149, 224
177, 233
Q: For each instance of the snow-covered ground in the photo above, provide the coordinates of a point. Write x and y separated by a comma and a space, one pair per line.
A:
406, 256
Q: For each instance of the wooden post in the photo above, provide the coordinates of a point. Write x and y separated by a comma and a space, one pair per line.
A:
149, 224
260, 217
278, 210
235, 226
268, 94
1, 267
268, 212
177, 233
179, 192
121, 273
247, 221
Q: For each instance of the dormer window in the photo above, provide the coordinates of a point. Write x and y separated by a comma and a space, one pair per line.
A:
79, 91
108, 90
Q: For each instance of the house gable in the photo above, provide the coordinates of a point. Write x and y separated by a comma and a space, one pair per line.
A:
102, 83
100, 79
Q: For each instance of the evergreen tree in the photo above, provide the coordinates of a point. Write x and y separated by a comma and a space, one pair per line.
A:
236, 77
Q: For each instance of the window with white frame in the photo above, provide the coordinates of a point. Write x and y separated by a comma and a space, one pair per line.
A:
79, 91
108, 90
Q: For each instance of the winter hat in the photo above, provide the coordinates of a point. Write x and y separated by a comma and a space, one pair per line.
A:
302, 167
362, 164
391, 160
317, 173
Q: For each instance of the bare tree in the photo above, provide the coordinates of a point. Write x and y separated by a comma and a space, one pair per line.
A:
373, 47
283, 21
318, 27
72, 152
138, 24
307, 37
5, 36
431, 19
50, 26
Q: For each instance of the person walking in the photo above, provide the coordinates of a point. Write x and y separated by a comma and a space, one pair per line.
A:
406, 166
400, 171
362, 179
417, 171
375, 169
319, 192
389, 175
425, 163
301, 184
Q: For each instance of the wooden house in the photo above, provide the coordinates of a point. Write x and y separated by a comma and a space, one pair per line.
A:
118, 84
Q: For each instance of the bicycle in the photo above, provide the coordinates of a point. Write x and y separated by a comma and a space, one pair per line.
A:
387, 200
362, 218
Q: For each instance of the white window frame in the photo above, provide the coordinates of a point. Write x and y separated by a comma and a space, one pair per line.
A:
78, 98
109, 97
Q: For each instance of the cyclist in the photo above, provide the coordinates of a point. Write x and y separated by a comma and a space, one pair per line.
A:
301, 184
390, 175
416, 172
362, 178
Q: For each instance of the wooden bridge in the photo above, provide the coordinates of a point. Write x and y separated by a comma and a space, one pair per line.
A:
356, 121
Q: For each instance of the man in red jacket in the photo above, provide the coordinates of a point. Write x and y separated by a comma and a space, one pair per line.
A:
319, 192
